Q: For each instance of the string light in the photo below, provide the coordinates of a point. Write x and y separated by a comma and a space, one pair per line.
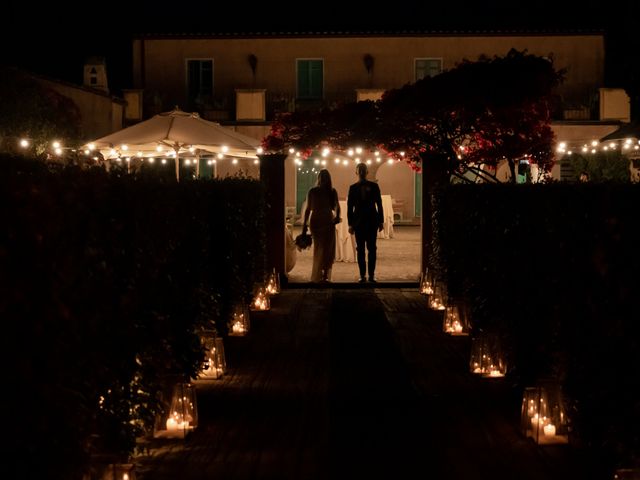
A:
24, 143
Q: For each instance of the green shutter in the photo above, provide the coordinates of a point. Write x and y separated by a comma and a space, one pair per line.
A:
303, 78
315, 78
310, 79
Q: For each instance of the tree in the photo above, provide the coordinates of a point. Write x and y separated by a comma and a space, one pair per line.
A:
478, 112
483, 111
608, 166
31, 110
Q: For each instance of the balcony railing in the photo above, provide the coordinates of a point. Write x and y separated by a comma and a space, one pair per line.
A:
222, 107
281, 102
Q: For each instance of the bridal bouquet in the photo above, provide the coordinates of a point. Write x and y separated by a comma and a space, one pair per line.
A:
303, 241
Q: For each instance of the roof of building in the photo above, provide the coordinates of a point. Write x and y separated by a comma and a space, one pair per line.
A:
373, 33
65, 83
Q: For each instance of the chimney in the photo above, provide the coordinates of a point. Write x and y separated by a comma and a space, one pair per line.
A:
95, 74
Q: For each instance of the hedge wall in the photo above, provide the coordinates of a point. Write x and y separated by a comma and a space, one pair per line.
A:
106, 280
555, 269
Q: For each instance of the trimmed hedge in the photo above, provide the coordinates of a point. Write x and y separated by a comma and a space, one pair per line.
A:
555, 269
106, 280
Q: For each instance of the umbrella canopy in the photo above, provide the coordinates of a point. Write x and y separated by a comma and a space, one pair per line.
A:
630, 131
173, 133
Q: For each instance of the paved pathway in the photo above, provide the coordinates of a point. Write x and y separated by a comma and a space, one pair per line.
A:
354, 384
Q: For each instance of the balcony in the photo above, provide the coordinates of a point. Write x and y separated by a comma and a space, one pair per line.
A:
282, 102
602, 104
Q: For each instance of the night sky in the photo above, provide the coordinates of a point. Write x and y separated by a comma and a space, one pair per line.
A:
55, 39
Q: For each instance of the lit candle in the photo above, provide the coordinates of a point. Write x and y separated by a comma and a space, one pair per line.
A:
457, 328
173, 424
495, 373
426, 289
237, 327
534, 422
549, 430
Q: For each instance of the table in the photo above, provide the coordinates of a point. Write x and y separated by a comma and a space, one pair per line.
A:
387, 210
345, 242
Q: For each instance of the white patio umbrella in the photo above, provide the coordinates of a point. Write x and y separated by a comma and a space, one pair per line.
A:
177, 132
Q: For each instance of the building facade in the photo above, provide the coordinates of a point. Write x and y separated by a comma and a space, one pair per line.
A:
244, 80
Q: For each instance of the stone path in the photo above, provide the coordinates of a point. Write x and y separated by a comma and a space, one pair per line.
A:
355, 384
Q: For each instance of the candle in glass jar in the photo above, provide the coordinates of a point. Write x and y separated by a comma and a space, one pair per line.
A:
237, 327
534, 421
173, 424
549, 430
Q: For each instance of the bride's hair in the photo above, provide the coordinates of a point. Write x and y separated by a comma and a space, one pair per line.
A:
324, 179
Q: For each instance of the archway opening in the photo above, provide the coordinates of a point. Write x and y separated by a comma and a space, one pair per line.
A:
398, 244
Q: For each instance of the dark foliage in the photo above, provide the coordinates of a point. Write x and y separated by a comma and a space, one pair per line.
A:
106, 281
31, 110
555, 270
480, 111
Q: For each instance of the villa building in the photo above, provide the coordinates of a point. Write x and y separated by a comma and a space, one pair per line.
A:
243, 80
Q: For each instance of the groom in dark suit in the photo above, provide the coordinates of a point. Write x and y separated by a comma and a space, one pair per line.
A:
364, 214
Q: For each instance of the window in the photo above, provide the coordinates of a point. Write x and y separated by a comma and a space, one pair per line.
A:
199, 83
310, 79
427, 67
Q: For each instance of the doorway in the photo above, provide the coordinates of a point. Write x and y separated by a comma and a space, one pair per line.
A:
398, 246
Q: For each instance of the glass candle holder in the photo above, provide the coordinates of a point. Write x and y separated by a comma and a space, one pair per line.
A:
487, 357
544, 418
